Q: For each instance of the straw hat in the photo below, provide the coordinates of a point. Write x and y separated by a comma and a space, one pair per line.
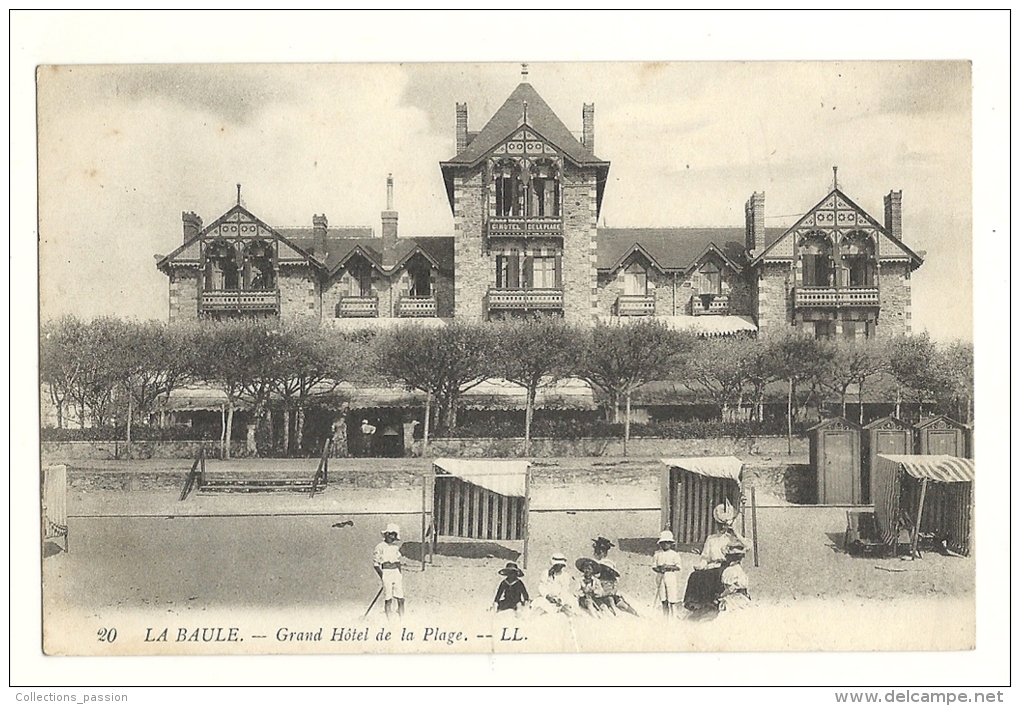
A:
585, 563
724, 513
511, 569
609, 567
665, 536
392, 529
558, 559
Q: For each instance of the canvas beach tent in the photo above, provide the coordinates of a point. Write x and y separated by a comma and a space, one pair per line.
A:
690, 488
479, 498
930, 494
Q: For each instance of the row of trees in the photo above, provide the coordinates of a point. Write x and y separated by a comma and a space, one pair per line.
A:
95, 369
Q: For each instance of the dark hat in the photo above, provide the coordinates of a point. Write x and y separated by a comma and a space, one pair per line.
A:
511, 569
601, 541
584, 563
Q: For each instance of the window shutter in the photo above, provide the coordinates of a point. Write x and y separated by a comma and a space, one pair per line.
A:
558, 274
808, 274
514, 272
529, 272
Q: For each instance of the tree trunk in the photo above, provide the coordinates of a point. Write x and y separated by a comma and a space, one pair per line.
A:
789, 417
286, 431
898, 400
129, 411
842, 403
529, 413
428, 422
626, 426
299, 442
860, 403
228, 430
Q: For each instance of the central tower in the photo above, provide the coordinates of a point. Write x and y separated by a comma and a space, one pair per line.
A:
525, 195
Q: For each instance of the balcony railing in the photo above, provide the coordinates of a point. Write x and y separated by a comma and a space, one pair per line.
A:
237, 300
525, 299
520, 227
833, 297
357, 307
416, 307
710, 305
635, 305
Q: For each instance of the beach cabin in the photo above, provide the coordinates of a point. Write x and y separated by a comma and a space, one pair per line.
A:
836, 458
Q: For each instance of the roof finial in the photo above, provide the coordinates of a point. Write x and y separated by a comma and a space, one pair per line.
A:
524, 73
238, 194
525, 120
835, 184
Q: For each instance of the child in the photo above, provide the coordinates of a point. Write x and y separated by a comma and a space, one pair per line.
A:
511, 594
590, 593
666, 563
556, 588
609, 576
386, 561
734, 595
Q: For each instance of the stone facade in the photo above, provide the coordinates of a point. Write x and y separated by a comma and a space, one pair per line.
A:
894, 287
474, 266
775, 309
580, 294
299, 294
184, 288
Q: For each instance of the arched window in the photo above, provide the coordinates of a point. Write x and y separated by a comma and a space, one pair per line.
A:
859, 259
262, 277
221, 271
544, 191
419, 273
816, 257
509, 189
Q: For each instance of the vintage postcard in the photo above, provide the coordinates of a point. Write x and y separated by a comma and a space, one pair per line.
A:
506, 358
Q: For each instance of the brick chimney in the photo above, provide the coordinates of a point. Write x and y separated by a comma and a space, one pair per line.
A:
754, 218
588, 126
389, 216
462, 127
894, 214
319, 226
192, 224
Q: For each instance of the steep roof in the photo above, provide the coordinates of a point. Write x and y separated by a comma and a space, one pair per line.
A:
510, 116
342, 242
672, 248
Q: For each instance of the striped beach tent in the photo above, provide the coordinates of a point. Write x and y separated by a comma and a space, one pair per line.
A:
481, 498
54, 503
690, 488
927, 494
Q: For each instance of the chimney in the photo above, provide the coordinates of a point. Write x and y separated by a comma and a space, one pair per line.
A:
754, 217
462, 127
588, 122
894, 214
319, 226
389, 216
192, 225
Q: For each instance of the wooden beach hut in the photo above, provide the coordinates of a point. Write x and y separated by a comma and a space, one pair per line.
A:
479, 498
887, 435
930, 495
835, 446
941, 435
690, 488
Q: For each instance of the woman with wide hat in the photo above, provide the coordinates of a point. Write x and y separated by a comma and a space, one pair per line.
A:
511, 594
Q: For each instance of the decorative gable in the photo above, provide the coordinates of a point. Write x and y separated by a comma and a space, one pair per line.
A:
525, 143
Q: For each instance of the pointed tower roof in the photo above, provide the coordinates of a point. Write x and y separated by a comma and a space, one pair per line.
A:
511, 116
525, 106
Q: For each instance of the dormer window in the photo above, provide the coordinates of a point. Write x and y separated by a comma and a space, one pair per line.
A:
635, 280
419, 274
712, 279
359, 283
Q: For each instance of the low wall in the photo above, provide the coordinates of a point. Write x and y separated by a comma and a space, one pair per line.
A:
552, 448
55, 451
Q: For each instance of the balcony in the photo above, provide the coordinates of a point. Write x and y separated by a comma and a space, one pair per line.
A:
526, 299
635, 305
520, 227
710, 305
237, 300
416, 307
835, 297
357, 307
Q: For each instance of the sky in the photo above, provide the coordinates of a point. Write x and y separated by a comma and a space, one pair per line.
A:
124, 149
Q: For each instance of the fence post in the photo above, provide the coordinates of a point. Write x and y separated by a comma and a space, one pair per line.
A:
527, 516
